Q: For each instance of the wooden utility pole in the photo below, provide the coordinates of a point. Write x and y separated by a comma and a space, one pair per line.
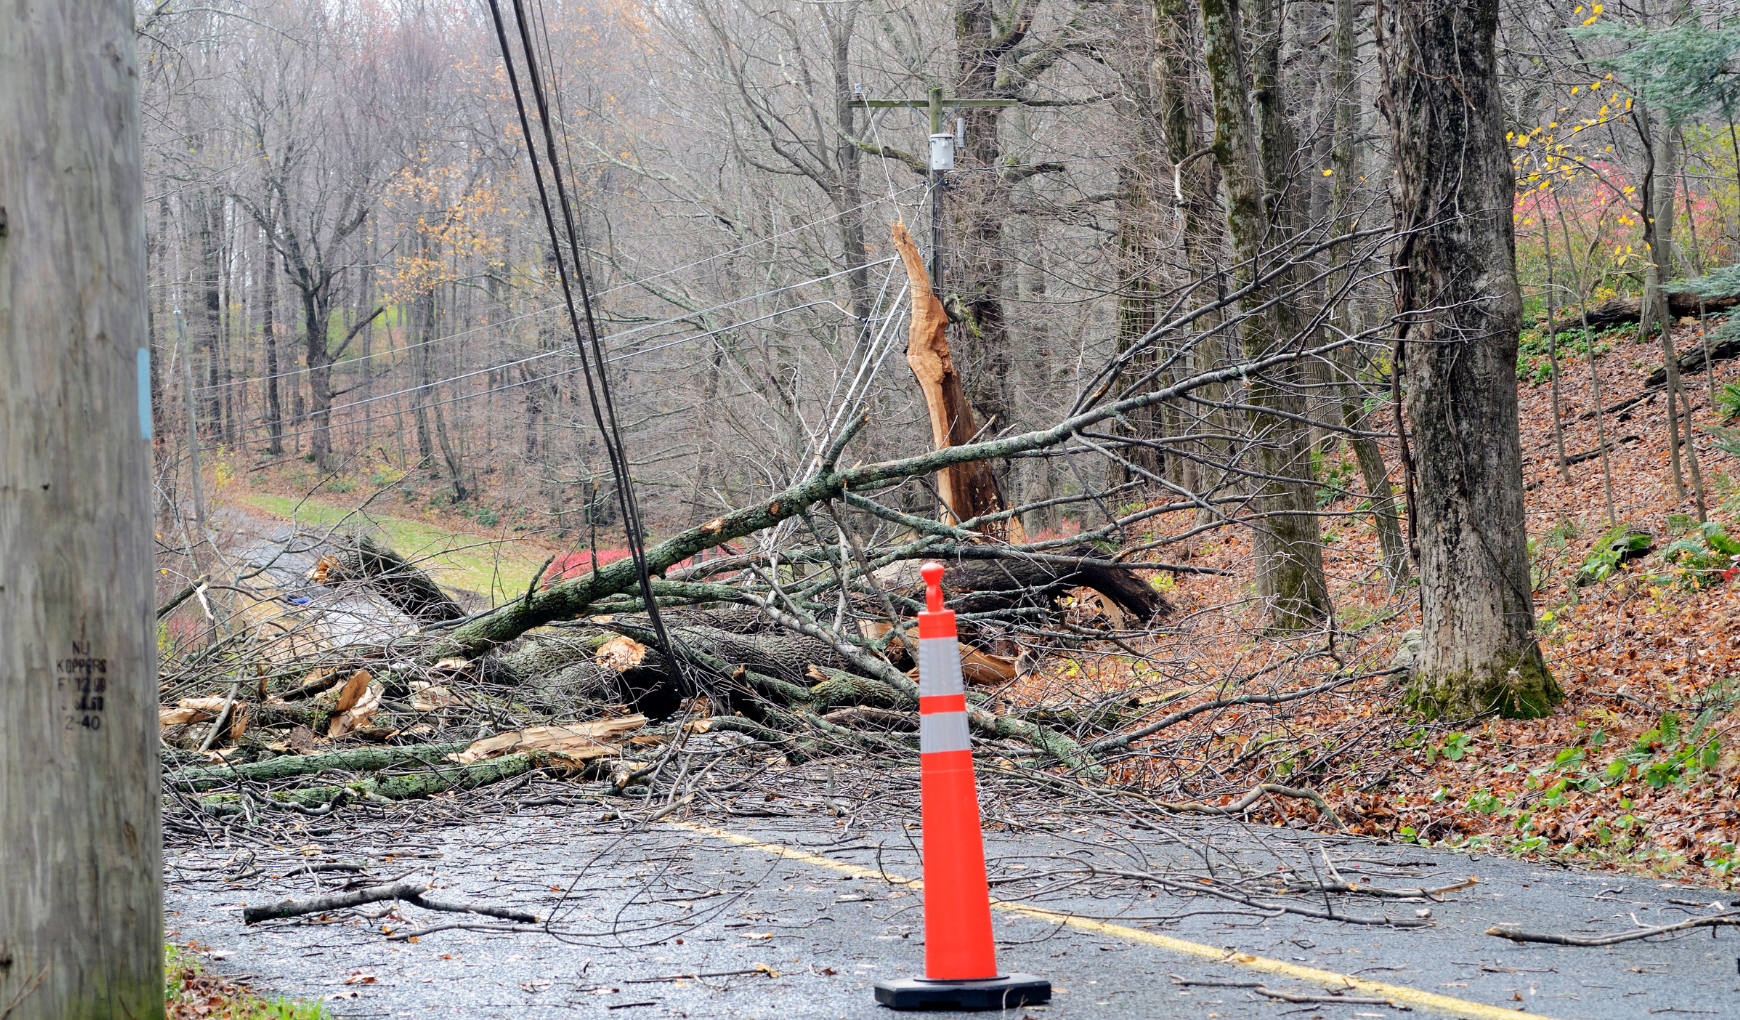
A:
81, 915
942, 155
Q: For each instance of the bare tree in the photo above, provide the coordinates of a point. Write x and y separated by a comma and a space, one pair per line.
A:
318, 161
1252, 146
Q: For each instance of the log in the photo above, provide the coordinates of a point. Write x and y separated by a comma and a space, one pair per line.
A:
427, 783
1693, 361
837, 689
782, 655
550, 653
390, 575
1623, 309
980, 585
362, 759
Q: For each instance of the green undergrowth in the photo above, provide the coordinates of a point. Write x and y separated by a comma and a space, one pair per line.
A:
1535, 350
1517, 808
489, 565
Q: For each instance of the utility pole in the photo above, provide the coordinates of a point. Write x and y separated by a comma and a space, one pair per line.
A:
942, 156
81, 898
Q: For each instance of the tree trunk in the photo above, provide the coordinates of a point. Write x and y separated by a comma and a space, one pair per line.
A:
211, 301
1456, 276
848, 191
977, 201
1196, 184
1138, 263
424, 311
316, 313
1386, 518
1658, 236
81, 916
1288, 549
269, 331
967, 490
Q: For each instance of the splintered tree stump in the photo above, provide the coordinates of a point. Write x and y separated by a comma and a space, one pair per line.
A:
968, 490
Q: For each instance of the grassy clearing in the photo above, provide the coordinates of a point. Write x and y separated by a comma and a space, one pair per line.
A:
491, 566
191, 993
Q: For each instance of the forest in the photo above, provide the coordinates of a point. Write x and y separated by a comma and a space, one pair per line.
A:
1324, 410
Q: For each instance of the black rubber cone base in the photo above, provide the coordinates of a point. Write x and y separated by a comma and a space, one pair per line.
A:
1003, 992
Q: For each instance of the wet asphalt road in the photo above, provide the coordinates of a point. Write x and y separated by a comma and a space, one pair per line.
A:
632, 909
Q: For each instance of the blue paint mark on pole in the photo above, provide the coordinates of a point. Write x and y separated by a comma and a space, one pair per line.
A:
144, 393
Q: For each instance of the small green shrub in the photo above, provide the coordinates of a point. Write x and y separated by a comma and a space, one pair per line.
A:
1663, 755
1622, 543
1704, 556
1728, 401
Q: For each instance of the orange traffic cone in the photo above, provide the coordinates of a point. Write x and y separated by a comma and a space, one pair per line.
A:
960, 960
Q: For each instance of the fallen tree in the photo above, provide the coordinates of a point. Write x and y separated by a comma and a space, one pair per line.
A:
804, 654
1681, 303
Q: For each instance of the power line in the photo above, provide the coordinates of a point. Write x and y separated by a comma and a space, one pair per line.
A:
288, 373
502, 366
434, 383
612, 438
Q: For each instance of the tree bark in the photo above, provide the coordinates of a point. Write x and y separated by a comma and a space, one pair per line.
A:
1458, 295
1658, 236
1196, 183
81, 921
1289, 551
979, 202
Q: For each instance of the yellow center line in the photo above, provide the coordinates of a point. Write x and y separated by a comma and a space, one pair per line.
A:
1398, 994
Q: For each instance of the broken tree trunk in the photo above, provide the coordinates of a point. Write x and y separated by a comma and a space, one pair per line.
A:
968, 490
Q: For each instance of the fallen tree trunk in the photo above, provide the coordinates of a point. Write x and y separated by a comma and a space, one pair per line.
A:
394, 578
428, 783
986, 579
362, 759
1623, 309
1693, 361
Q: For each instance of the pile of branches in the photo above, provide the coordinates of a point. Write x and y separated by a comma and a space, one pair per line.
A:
801, 656
798, 649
